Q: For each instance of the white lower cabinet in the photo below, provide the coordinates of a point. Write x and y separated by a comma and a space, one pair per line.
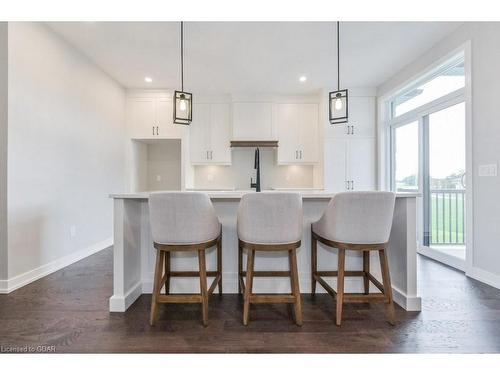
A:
297, 133
151, 118
210, 134
350, 164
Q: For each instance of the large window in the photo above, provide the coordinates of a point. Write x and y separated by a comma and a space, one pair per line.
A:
447, 79
406, 157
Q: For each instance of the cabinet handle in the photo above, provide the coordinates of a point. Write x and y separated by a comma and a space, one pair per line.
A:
347, 184
296, 154
207, 154
348, 130
352, 129
352, 184
153, 130
300, 154
157, 132
211, 155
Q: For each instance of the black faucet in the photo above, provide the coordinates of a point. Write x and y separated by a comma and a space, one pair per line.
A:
256, 166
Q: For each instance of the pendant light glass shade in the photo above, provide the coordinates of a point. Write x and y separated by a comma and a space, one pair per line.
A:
183, 101
338, 102
183, 108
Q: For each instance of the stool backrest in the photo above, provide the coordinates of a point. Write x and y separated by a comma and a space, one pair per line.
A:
270, 218
363, 217
182, 218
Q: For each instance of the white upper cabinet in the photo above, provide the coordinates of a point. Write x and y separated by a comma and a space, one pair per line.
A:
253, 122
297, 133
210, 134
361, 122
151, 118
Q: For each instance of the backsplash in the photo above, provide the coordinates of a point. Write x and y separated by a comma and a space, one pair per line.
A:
237, 176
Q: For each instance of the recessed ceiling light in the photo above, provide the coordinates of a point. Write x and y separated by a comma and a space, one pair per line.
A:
148, 79
303, 79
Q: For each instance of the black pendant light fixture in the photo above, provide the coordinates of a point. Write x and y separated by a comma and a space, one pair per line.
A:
183, 101
338, 100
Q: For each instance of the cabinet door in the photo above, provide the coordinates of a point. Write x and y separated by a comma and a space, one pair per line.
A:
220, 133
199, 132
361, 161
164, 120
253, 122
288, 126
335, 164
362, 116
308, 133
141, 118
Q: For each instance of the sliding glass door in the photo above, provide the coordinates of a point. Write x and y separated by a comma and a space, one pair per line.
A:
444, 181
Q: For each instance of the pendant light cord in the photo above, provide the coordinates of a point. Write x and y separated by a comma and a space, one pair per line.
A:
182, 56
338, 56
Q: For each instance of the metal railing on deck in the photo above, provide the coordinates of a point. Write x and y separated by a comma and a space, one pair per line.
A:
447, 217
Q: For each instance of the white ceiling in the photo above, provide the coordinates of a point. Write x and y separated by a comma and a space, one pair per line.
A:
252, 57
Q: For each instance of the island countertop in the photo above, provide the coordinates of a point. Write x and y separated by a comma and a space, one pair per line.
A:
237, 194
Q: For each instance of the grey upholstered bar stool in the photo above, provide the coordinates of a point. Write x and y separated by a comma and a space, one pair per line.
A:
358, 221
184, 221
269, 222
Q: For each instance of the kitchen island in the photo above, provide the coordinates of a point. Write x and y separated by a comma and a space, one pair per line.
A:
134, 255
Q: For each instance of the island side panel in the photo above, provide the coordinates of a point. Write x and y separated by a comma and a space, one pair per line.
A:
402, 254
127, 284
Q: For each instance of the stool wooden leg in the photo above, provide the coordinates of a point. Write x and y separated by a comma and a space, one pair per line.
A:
294, 279
167, 272
203, 285
219, 263
314, 263
386, 279
340, 285
156, 286
366, 270
240, 266
248, 286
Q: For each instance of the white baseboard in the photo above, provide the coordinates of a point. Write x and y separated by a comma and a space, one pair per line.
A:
122, 303
16, 282
484, 276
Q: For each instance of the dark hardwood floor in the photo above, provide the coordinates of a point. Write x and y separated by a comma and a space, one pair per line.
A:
69, 310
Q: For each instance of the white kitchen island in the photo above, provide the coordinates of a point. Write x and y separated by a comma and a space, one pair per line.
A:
134, 255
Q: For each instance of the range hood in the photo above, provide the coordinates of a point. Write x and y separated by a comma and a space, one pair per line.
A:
254, 143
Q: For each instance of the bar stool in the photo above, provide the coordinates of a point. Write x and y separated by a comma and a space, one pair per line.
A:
359, 221
184, 221
269, 222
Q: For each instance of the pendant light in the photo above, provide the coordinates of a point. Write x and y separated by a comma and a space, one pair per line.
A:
338, 99
183, 101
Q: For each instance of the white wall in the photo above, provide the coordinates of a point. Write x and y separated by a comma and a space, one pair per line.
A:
237, 176
3, 147
485, 46
65, 149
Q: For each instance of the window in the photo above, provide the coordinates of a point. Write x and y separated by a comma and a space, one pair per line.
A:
447, 79
406, 157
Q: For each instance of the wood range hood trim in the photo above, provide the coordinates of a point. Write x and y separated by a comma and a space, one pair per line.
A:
254, 143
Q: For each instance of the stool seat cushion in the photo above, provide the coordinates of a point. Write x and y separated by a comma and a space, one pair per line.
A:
182, 218
357, 218
270, 218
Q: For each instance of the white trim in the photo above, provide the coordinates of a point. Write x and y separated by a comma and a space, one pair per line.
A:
121, 304
442, 257
16, 282
484, 277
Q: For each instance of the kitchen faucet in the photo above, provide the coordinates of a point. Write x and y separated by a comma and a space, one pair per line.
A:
256, 166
